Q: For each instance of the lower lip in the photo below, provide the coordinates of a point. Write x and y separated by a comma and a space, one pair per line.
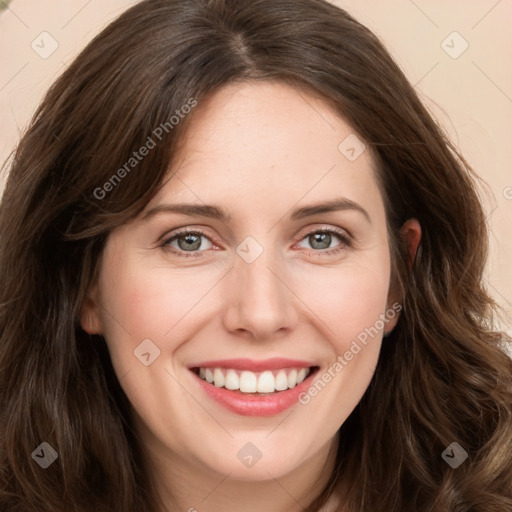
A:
256, 405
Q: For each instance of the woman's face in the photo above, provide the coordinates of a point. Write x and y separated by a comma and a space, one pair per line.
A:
286, 272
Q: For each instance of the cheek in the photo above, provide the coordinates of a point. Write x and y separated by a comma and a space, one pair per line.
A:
348, 299
141, 301
351, 302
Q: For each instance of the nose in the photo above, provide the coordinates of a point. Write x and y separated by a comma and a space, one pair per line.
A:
259, 301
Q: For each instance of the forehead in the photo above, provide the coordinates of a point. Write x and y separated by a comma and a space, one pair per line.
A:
271, 143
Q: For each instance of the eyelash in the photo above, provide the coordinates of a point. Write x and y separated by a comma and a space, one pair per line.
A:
345, 239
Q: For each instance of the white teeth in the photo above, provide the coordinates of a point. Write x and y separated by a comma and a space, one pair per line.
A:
292, 378
266, 383
208, 375
232, 380
301, 375
250, 382
218, 377
281, 381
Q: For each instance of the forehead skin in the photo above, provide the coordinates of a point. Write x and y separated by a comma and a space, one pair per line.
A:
256, 139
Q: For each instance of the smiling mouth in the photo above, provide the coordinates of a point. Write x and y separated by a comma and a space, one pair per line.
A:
255, 383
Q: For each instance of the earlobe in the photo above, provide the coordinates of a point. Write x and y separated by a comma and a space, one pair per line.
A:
89, 315
411, 235
392, 315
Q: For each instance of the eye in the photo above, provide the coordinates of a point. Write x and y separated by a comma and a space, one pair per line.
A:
187, 241
321, 240
195, 242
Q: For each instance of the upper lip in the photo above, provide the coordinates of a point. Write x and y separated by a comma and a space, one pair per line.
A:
253, 365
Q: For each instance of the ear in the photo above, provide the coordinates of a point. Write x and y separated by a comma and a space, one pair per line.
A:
90, 318
410, 233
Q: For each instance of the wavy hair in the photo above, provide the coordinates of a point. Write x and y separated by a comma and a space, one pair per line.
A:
442, 376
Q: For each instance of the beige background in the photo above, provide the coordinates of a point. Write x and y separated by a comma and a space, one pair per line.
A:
470, 95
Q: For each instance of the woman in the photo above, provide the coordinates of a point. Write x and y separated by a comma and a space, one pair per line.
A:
242, 270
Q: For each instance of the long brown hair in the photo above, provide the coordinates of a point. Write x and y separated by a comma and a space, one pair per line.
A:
442, 375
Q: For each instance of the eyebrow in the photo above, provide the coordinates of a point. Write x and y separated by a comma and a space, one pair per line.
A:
218, 213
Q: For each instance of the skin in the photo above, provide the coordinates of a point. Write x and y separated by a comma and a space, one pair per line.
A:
258, 150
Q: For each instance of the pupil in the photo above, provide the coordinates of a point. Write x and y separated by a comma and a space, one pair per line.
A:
320, 240
192, 242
